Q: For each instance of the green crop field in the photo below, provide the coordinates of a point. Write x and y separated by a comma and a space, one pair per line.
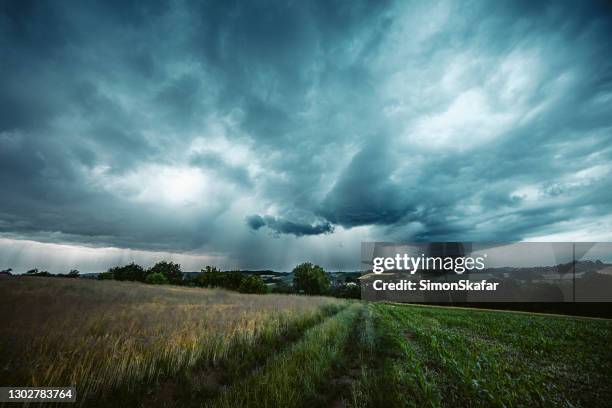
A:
434, 356
131, 344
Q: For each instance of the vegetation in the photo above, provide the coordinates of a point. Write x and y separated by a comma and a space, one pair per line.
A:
156, 278
121, 339
436, 356
211, 277
310, 279
35, 272
164, 272
131, 344
299, 375
131, 272
171, 271
252, 284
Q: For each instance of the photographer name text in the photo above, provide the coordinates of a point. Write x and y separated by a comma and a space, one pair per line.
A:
428, 285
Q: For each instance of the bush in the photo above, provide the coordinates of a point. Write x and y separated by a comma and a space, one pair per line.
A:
209, 277
36, 272
253, 284
232, 280
283, 287
156, 278
170, 270
106, 276
311, 279
347, 291
131, 272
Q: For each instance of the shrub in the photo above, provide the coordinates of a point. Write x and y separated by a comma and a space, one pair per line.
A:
170, 270
106, 276
156, 278
36, 272
232, 280
209, 277
253, 284
131, 272
283, 287
350, 291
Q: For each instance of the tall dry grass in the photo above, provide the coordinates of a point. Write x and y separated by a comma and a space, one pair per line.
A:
101, 335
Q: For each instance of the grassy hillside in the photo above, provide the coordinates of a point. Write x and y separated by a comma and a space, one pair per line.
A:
137, 345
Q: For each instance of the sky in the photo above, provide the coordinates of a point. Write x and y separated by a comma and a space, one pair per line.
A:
264, 134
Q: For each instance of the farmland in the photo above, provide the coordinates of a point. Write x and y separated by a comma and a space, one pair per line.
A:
132, 344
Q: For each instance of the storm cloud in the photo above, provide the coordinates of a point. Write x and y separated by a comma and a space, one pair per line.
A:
283, 226
266, 133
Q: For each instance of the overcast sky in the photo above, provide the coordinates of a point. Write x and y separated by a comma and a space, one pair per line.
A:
264, 134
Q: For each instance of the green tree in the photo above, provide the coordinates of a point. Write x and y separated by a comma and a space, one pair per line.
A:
156, 278
170, 270
106, 276
130, 272
209, 277
311, 279
253, 284
232, 280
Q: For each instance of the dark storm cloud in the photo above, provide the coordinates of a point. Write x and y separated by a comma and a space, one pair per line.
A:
364, 194
283, 226
166, 125
255, 221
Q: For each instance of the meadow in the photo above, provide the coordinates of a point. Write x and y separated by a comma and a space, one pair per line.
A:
122, 339
131, 344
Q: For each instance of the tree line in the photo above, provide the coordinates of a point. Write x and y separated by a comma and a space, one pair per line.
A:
170, 273
307, 279
74, 273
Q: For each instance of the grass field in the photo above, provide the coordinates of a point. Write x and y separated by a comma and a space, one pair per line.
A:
136, 345
434, 356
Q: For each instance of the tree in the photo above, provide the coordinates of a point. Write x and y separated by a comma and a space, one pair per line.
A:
170, 270
106, 276
253, 284
311, 279
131, 272
36, 272
232, 280
156, 278
209, 277
74, 273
